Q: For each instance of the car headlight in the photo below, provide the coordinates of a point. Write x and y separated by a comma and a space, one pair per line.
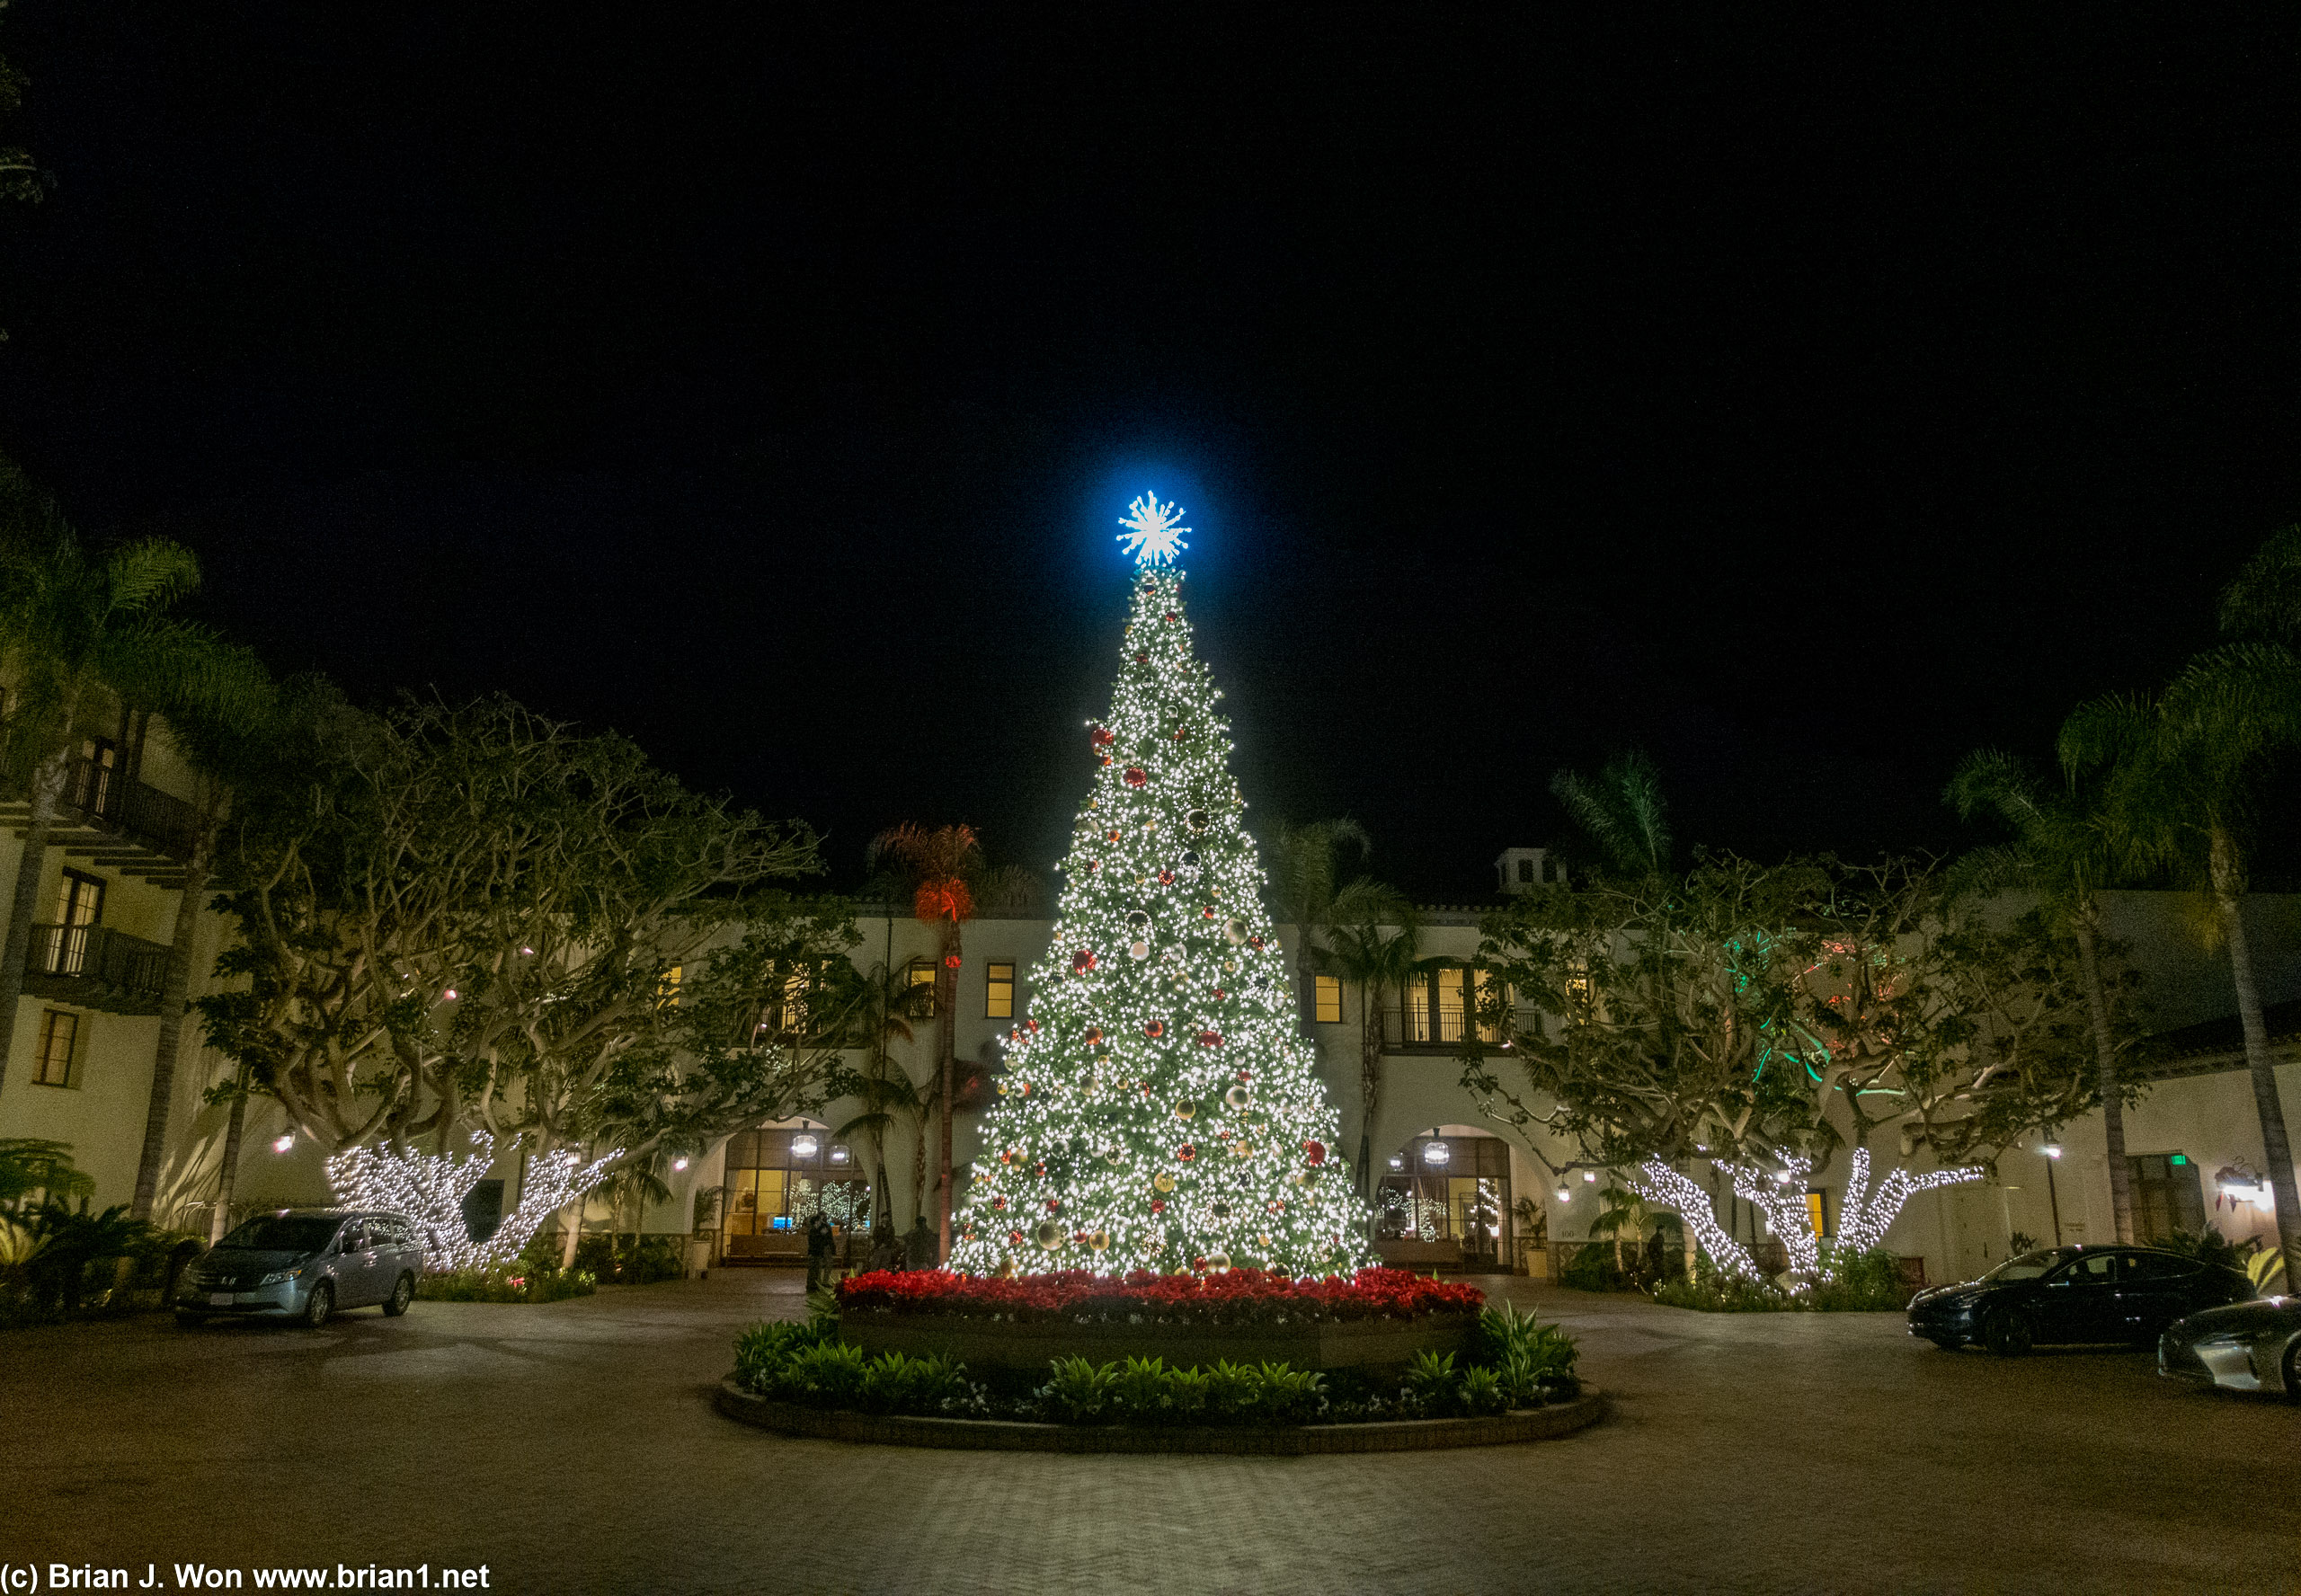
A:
278, 1275
2223, 1342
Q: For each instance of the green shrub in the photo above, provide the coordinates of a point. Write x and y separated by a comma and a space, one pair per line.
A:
893, 1383
505, 1285
762, 1351
1077, 1391
1286, 1396
1143, 1391
1866, 1283
640, 1262
1431, 1383
1231, 1392
828, 1374
1482, 1393
1592, 1269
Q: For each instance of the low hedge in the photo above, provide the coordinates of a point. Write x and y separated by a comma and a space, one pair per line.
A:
499, 1285
1862, 1283
1519, 1364
1230, 1296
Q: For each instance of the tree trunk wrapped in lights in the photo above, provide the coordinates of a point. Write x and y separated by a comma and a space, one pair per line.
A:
430, 1189
1159, 1108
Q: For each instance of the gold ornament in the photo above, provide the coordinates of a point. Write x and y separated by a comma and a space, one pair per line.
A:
1184, 1111
1164, 1181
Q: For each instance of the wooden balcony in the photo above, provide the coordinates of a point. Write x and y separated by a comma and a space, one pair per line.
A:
115, 823
95, 967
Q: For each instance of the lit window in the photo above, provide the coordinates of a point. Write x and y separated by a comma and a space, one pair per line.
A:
1326, 999
667, 987
922, 977
999, 1001
1818, 1212
58, 1031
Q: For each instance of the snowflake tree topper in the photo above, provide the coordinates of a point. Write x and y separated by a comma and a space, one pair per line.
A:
1152, 535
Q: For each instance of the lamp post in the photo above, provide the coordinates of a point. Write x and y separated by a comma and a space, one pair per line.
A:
2052, 1150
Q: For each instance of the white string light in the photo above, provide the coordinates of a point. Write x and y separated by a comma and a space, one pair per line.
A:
1864, 1217
430, 1188
1665, 1187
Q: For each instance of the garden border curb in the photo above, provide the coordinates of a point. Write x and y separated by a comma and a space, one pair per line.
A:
996, 1435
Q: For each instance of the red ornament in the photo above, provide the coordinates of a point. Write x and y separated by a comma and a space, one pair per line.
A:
1220, 994
1136, 777
1054, 1205
950, 961
1181, 732
998, 1204
1038, 1169
1165, 878
1031, 1026
1245, 1076
1315, 1151
1083, 961
1144, 658
1170, 615
1155, 1030
1106, 758
1105, 737
1094, 1035
1110, 835
1209, 1039
1013, 1239
1093, 866
1207, 913
1158, 1205
1186, 1152
1254, 942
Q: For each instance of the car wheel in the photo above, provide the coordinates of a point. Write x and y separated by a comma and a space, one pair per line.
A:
401, 1295
2009, 1334
189, 1320
319, 1306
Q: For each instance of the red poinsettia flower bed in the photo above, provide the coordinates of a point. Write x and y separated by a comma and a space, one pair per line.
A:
1237, 1296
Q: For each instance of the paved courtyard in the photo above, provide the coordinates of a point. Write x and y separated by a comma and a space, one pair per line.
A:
573, 1447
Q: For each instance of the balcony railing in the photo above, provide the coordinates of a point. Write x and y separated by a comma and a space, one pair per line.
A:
107, 798
97, 968
1423, 1025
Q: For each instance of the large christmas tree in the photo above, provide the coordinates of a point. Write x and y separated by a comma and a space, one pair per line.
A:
1160, 1109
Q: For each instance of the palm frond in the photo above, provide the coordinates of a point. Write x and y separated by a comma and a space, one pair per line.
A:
2265, 598
149, 575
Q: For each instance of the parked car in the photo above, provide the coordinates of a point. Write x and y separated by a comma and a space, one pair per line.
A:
2074, 1294
2246, 1346
304, 1264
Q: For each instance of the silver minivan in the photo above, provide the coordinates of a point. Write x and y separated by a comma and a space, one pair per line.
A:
304, 1264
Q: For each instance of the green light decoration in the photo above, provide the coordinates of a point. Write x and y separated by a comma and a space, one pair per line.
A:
1158, 1109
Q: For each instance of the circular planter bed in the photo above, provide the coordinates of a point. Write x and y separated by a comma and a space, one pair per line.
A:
1369, 1344
1381, 1319
1405, 1435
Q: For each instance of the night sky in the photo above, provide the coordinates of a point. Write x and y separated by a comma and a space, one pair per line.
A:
1805, 407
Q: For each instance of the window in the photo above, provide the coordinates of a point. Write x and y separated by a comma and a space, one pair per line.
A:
1817, 1211
58, 1032
777, 1179
1526, 870
79, 904
92, 790
1326, 999
998, 996
2094, 1269
921, 977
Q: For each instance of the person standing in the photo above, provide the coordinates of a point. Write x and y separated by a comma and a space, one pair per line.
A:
818, 1250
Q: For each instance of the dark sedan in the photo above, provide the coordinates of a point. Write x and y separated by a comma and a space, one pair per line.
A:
2074, 1294
2247, 1346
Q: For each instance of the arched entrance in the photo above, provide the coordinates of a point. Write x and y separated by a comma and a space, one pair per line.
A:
1444, 1199
778, 1176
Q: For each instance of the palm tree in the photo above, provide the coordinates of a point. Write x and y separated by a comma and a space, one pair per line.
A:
226, 744
1304, 879
1371, 943
939, 864
77, 630
1623, 810
2181, 775
2062, 848
885, 1091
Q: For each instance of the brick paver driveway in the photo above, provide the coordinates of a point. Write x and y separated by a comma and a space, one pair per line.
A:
571, 1447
